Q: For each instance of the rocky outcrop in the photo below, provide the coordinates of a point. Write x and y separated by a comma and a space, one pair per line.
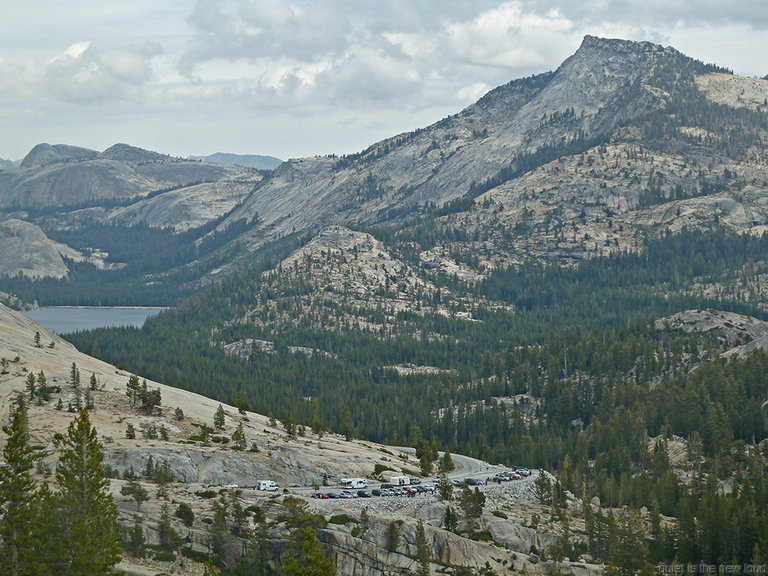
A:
26, 250
743, 334
214, 466
367, 554
735, 91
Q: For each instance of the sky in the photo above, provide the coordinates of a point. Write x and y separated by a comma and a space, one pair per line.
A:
297, 78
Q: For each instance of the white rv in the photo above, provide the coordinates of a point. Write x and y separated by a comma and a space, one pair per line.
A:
399, 480
354, 482
266, 485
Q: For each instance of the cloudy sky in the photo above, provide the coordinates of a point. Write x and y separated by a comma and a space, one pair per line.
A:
294, 78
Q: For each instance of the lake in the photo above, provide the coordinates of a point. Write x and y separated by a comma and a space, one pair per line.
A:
63, 319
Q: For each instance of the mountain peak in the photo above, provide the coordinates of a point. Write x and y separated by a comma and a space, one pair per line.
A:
128, 153
43, 154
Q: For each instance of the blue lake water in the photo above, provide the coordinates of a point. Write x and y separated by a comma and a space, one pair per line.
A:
63, 319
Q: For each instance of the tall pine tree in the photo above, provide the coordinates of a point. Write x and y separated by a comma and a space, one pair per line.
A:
88, 514
19, 501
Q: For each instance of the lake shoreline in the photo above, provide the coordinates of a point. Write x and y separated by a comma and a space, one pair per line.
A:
67, 319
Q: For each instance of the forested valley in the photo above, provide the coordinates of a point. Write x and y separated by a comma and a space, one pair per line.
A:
580, 373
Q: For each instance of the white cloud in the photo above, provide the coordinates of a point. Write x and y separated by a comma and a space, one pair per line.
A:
340, 52
175, 69
84, 74
659, 13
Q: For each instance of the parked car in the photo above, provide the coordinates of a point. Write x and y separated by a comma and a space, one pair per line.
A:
346, 494
415, 481
386, 486
320, 495
523, 471
363, 494
332, 495
474, 482
376, 492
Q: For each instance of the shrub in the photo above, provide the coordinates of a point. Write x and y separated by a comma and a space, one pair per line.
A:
342, 519
185, 514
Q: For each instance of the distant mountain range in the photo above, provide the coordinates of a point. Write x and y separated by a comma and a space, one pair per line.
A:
624, 140
246, 160
8, 164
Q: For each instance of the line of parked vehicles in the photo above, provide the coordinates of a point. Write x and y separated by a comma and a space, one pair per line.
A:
400, 485
518, 473
384, 490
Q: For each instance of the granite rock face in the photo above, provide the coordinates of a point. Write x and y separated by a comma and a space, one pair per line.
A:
26, 250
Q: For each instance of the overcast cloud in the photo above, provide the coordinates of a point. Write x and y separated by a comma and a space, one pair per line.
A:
301, 77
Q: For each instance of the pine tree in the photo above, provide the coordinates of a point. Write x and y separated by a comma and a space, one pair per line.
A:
422, 550
43, 393
31, 386
238, 436
18, 499
136, 539
450, 520
347, 428
88, 515
445, 487
393, 536
133, 389
471, 503
167, 536
543, 488
305, 555
218, 417
365, 522
135, 491
74, 376
446, 462
629, 553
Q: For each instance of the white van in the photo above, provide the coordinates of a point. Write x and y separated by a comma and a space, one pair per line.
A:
267, 485
400, 480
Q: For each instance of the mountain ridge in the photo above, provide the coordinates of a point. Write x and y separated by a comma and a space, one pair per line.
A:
622, 139
257, 161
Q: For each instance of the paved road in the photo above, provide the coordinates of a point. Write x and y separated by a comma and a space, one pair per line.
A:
466, 467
